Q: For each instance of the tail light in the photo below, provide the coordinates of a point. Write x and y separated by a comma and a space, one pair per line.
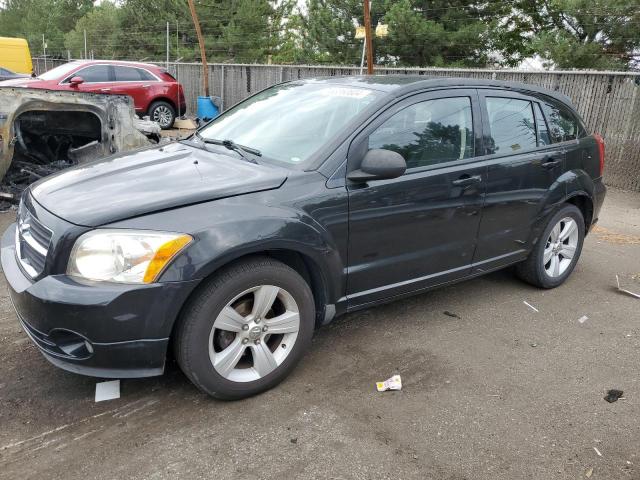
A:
600, 142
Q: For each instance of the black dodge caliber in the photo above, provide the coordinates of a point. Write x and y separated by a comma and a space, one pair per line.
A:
308, 200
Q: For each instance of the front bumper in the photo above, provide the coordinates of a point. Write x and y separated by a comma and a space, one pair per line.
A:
101, 329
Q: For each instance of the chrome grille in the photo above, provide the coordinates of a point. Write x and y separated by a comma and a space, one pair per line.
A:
32, 242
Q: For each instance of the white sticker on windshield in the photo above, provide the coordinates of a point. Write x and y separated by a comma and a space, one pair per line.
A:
346, 92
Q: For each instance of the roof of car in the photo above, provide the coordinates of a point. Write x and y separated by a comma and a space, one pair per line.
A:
115, 62
399, 85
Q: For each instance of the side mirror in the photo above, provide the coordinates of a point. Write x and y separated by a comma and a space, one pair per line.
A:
75, 81
379, 164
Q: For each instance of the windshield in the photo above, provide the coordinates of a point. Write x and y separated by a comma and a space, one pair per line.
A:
58, 72
290, 122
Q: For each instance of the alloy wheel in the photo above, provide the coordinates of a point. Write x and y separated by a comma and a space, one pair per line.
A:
254, 333
560, 247
162, 115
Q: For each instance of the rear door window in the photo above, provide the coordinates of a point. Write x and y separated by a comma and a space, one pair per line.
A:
511, 125
429, 132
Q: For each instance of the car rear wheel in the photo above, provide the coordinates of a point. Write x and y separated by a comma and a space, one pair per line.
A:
163, 113
246, 329
555, 255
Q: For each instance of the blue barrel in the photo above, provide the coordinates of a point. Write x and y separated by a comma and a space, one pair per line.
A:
207, 110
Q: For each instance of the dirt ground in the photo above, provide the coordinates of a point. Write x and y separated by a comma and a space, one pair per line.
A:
497, 392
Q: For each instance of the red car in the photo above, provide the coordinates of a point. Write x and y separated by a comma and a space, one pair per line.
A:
155, 92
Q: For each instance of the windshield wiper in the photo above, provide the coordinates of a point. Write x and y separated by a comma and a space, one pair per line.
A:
241, 150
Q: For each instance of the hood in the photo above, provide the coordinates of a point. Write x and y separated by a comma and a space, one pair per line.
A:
146, 181
26, 82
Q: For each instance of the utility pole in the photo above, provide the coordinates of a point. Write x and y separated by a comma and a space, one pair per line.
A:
177, 43
203, 54
85, 44
368, 40
44, 52
167, 45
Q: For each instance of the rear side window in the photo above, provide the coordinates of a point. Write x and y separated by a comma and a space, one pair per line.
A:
94, 74
512, 124
145, 76
428, 133
563, 124
130, 74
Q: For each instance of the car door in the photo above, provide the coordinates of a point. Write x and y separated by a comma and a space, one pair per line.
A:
96, 79
134, 82
523, 164
417, 230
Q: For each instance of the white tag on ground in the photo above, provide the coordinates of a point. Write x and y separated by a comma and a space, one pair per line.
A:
107, 390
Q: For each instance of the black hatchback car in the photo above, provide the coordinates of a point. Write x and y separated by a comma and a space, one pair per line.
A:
307, 200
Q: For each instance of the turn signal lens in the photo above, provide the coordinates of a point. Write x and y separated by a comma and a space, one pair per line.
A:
163, 256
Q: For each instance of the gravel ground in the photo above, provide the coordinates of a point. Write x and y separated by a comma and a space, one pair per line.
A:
497, 392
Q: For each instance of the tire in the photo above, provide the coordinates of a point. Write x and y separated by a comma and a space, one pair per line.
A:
535, 270
245, 288
163, 113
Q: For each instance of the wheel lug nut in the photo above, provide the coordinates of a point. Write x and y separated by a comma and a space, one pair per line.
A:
257, 342
264, 329
245, 341
257, 320
245, 327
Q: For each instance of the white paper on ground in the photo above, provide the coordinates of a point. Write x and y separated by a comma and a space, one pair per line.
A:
107, 390
393, 383
583, 319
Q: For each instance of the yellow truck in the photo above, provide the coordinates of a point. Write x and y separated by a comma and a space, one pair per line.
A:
15, 55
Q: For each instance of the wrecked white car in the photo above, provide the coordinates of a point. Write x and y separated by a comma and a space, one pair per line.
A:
43, 131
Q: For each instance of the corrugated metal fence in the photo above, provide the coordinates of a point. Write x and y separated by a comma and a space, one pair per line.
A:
609, 102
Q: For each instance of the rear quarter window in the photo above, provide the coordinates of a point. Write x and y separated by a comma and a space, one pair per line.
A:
563, 124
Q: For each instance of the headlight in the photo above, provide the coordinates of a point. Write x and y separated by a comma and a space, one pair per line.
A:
126, 256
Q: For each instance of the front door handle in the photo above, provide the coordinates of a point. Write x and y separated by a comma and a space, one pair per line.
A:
105, 89
550, 162
465, 180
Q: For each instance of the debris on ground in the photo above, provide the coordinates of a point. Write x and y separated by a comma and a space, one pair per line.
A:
533, 344
530, 306
588, 473
393, 383
583, 319
613, 395
626, 290
450, 314
597, 451
184, 124
615, 237
107, 390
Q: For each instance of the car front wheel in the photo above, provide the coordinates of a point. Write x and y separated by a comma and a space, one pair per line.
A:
555, 255
246, 329
163, 113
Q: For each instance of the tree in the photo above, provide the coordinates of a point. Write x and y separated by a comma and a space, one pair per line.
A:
598, 34
328, 30
101, 22
440, 33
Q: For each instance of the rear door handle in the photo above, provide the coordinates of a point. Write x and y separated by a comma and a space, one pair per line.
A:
146, 86
550, 162
105, 89
465, 180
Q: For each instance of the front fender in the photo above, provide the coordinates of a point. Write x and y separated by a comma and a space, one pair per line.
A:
225, 231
